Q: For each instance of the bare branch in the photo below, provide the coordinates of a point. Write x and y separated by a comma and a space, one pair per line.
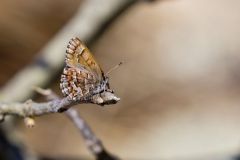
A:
32, 109
92, 142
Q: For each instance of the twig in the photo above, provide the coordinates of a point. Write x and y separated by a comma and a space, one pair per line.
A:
30, 109
55, 104
92, 142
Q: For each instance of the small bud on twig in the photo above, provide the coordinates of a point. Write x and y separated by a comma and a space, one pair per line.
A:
29, 122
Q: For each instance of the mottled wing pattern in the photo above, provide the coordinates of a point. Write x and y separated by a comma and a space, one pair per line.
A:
75, 83
82, 74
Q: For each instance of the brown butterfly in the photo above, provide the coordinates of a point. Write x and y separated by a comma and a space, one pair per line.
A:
83, 79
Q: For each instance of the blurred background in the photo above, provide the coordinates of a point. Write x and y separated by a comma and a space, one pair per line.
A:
179, 85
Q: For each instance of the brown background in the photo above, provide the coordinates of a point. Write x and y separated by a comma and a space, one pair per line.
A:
179, 86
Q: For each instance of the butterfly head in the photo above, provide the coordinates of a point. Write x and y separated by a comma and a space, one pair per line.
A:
107, 96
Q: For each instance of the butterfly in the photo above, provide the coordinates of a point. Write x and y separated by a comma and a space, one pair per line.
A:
82, 78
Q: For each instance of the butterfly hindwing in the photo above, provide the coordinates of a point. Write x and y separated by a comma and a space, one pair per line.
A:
76, 83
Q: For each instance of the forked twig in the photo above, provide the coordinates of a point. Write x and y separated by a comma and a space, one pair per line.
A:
92, 142
30, 109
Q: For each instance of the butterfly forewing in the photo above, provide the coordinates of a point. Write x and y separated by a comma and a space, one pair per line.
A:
79, 55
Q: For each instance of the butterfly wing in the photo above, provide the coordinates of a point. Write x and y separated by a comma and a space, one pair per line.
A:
82, 74
79, 56
77, 83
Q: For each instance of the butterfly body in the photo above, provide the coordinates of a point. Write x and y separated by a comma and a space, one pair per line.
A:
82, 78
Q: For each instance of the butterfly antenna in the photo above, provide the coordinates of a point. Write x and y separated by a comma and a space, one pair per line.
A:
113, 68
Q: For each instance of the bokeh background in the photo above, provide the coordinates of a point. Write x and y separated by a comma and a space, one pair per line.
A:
179, 85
